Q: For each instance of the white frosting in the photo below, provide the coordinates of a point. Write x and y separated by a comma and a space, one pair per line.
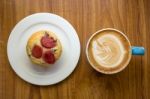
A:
108, 50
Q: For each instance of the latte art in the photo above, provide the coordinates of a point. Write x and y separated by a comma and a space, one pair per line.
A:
107, 50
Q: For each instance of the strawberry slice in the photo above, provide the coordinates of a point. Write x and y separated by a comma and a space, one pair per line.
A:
48, 42
49, 57
37, 51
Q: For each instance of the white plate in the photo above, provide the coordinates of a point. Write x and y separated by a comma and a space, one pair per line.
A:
16, 49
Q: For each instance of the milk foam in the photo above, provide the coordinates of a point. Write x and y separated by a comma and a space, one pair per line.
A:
108, 50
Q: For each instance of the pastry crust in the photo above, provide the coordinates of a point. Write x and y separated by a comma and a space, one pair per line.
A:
36, 39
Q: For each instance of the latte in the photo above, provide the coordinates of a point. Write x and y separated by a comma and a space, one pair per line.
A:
108, 51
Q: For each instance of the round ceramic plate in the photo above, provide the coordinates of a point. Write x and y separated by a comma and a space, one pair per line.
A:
21, 64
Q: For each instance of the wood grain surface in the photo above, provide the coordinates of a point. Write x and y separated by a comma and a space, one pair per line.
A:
87, 16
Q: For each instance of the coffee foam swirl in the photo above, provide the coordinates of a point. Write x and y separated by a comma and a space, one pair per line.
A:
108, 50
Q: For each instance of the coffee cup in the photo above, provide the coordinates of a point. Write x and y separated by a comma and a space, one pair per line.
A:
109, 51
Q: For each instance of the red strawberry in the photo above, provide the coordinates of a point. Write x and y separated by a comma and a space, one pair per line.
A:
48, 42
37, 51
49, 57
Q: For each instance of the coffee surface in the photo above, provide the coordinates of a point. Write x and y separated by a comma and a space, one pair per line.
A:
109, 50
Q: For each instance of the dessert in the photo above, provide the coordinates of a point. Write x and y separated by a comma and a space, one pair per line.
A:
44, 48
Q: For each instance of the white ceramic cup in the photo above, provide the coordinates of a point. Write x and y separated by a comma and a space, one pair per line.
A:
135, 50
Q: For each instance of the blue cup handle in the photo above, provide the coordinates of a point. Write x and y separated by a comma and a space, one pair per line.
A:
136, 50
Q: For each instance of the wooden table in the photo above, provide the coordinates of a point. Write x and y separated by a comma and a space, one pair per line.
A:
87, 16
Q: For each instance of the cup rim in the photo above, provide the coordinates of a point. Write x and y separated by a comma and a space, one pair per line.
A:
110, 72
